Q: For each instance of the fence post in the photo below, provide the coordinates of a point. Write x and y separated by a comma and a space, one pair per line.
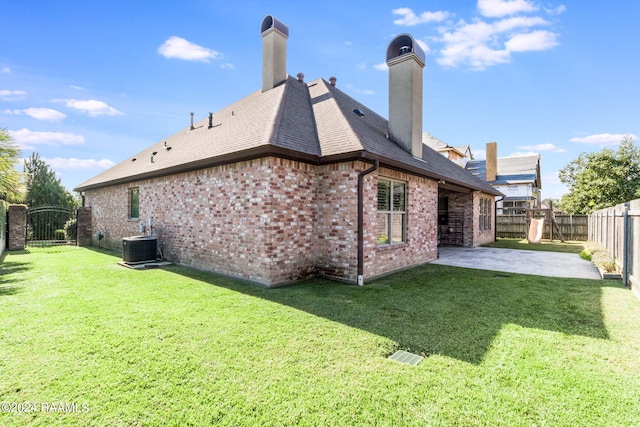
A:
626, 242
17, 226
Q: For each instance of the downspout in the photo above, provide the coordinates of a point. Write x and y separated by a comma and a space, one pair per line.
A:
495, 218
361, 176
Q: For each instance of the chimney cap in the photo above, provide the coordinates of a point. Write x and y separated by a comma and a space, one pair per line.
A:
402, 45
332, 80
300, 77
270, 22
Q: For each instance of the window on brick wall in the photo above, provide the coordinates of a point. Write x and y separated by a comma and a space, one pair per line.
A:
134, 203
392, 212
484, 219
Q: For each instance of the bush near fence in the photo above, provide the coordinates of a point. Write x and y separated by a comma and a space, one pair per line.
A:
573, 227
607, 228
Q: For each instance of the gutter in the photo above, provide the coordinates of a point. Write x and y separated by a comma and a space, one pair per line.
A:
361, 176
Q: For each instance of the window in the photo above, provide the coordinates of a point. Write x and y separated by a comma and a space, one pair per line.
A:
392, 212
134, 203
484, 219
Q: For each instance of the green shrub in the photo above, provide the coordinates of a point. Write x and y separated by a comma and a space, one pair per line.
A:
59, 234
586, 254
71, 229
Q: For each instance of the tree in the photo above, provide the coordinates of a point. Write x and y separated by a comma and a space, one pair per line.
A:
11, 188
602, 179
43, 188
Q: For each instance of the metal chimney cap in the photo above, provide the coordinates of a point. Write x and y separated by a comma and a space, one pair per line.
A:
270, 22
402, 45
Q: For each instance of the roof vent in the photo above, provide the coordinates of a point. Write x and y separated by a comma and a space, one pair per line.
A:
358, 112
300, 77
210, 120
192, 128
332, 81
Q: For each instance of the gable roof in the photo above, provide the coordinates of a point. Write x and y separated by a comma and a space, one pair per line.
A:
311, 122
511, 170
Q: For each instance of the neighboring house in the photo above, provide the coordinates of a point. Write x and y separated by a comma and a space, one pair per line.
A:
460, 154
517, 177
295, 180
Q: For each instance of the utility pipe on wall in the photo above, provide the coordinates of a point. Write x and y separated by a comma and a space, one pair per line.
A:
361, 176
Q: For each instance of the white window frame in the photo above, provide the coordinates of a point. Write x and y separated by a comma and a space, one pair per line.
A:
392, 214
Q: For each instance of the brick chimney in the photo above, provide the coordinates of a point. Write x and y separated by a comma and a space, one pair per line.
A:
274, 52
491, 163
405, 59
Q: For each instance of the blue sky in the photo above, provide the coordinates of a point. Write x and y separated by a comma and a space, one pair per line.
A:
87, 84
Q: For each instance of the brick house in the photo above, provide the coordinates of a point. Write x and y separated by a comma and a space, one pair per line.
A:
295, 180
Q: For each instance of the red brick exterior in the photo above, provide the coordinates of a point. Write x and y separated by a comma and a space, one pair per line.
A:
270, 220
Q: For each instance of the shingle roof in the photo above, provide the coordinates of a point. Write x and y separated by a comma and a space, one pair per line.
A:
313, 122
510, 169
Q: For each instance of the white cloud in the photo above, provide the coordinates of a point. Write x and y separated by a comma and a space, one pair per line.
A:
409, 18
482, 44
523, 153
27, 139
92, 107
12, 95
542, 147
479, 154
46, 114
602, 139
75, 87
499, 29
381, 67
227, 66
72, 163
424, 46
350, 87
179, 48
551, 179
556, 10
5, 70
535, 40
500, 8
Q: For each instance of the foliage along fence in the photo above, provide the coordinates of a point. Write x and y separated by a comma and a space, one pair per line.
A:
573, 227
618, 230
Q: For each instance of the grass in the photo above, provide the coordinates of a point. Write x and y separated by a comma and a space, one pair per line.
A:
179, 347
573, 247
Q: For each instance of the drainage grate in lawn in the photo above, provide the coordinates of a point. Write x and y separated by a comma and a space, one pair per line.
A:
406, 357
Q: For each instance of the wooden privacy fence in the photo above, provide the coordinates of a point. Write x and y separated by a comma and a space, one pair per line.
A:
618, 230
572, 227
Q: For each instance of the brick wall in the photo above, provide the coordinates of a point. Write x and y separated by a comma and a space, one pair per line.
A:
480, 237
421, 233
337, 226
271, 220
17, 223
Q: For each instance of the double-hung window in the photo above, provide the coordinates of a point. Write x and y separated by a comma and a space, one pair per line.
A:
392, 212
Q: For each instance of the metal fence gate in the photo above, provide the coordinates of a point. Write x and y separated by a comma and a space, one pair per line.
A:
51, 225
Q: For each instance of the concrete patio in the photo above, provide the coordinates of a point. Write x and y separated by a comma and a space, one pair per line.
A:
553, 264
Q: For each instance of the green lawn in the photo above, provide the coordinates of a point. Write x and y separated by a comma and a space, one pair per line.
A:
178, 347
573, 247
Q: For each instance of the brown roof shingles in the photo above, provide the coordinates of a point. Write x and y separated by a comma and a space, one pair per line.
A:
314, 122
